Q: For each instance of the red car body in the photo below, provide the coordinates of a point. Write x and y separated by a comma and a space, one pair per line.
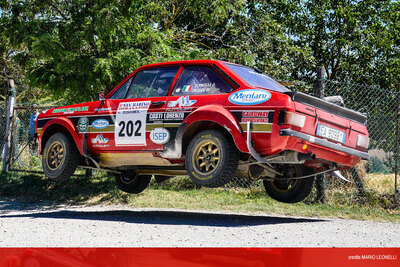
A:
326, 135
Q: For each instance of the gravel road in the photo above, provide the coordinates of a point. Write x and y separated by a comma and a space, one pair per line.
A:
44, 224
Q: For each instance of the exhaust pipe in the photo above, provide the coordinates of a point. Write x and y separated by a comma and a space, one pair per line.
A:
309, 156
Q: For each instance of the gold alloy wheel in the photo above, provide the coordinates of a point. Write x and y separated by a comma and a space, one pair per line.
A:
55, 155
206, 157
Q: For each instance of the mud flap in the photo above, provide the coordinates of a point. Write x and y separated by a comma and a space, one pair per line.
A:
252, 151
337, 174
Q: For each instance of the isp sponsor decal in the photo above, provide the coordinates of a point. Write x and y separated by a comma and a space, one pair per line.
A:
100, 124
159, 135
249, 97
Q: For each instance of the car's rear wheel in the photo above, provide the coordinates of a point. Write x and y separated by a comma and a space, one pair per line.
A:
132, 183
290, 190
60, 157
211, 159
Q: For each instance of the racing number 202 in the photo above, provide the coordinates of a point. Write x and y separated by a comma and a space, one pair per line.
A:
128, 128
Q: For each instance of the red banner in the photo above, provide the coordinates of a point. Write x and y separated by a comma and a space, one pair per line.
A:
307, 257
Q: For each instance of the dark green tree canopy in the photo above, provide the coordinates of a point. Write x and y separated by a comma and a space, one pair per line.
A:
74, 48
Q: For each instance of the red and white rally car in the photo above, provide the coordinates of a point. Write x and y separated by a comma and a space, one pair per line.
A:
207, 119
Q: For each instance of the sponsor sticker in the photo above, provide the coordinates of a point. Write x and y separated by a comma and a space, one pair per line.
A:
255, 116
199, 88
83, 124
70, 110
259, 120
183, 101
100, 123
174, 116
157, 116
249, 97
102, 109
179, 109
167, 116
159, 135
99, 139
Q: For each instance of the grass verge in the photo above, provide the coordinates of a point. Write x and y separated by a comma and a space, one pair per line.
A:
181, 193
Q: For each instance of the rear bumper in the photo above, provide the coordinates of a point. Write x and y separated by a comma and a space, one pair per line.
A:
324, 143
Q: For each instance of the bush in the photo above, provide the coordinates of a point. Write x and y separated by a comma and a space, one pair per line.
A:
378, 166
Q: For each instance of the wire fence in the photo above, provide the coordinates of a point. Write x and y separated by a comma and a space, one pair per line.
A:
2, 127
24, 154
368, 179
374, 179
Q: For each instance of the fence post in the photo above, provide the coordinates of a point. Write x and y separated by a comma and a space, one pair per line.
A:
320, 92
9, 114
320, 84
396, 190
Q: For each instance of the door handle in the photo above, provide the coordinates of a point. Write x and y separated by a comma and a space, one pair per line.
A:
157, 103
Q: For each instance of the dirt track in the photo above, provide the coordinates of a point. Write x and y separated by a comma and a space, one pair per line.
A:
47, 225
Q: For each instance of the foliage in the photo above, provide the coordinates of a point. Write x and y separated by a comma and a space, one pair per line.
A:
356, 40
75, 48
72, 49
378, 166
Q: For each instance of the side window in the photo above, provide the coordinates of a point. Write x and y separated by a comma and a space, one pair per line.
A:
121, 91
152, 82
200, 80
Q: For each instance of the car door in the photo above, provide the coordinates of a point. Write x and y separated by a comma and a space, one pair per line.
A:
196, 86
136, 110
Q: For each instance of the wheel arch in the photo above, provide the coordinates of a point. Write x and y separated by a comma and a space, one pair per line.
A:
213, 117
60, 125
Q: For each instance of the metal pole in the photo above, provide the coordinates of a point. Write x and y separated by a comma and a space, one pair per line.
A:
396, 190
320, 84
9, 114
320, 92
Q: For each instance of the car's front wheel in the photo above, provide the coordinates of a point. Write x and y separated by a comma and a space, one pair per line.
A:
60, 157
290, 190
211, 159
132, 183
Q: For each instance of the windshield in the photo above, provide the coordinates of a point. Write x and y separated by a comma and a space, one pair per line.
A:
256, 78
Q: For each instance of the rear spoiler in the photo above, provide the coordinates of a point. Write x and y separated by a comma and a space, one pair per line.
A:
329, 107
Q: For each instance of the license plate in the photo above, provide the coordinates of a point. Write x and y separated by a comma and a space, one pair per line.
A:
331, 133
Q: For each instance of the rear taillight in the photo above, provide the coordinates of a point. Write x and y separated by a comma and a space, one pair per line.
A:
293, 119
362, 141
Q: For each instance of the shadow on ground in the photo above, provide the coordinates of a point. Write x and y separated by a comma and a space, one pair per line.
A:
166, 218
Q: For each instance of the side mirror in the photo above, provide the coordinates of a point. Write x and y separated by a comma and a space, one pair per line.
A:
102, 98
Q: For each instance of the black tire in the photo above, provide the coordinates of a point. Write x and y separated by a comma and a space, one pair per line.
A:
291, 190
221, 159
132, 183
60, 157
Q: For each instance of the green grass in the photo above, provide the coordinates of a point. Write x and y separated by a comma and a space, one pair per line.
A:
181, 193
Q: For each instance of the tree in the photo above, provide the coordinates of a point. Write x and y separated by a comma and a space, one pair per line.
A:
75, 48
354, 40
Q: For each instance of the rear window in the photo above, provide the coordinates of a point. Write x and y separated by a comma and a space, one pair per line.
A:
256, 78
